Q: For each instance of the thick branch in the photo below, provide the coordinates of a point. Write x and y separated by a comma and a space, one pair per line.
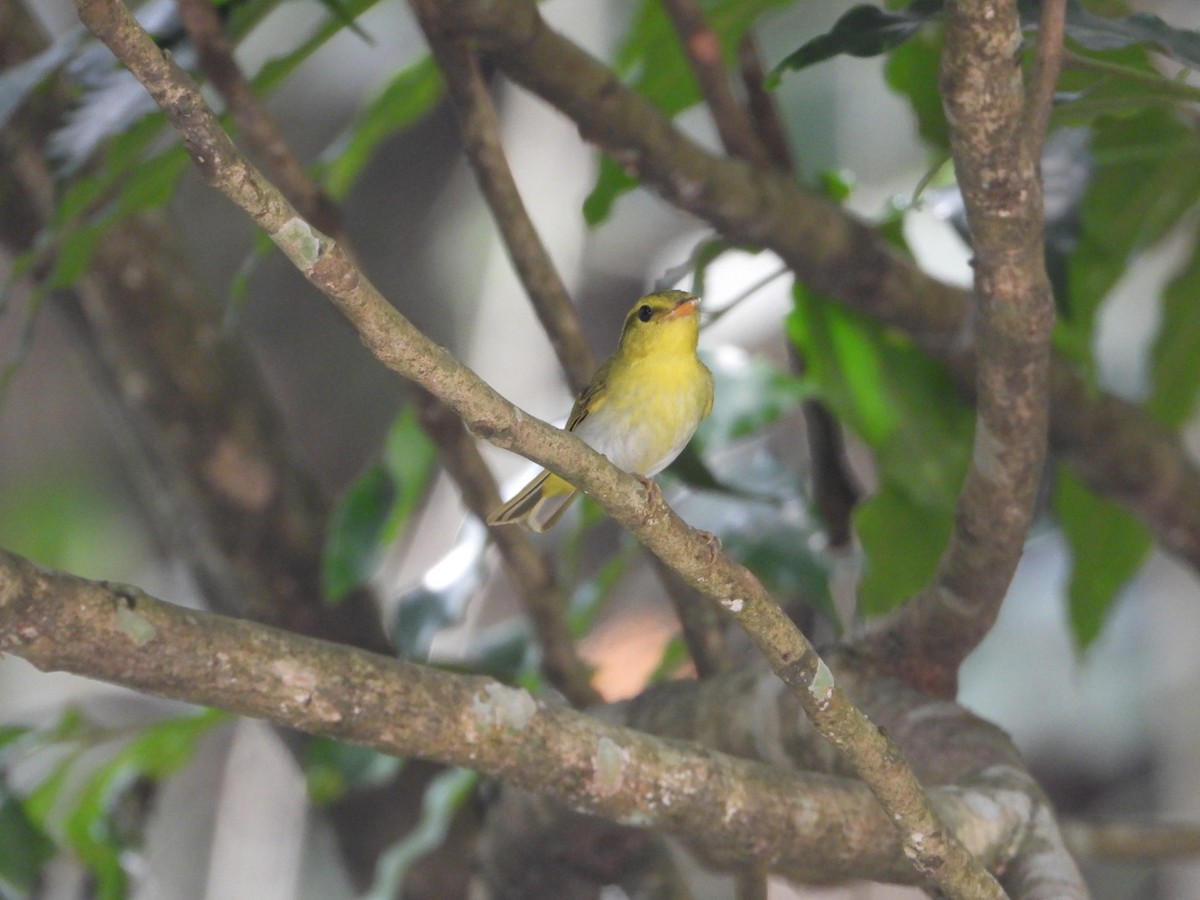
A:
1115, 447
997, 169
809, 827
395, 342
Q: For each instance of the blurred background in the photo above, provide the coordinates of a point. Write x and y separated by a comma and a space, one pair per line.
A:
1112, 733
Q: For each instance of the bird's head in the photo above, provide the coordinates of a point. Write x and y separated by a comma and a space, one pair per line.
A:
662, 322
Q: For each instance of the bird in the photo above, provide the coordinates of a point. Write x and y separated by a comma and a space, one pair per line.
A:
640, 409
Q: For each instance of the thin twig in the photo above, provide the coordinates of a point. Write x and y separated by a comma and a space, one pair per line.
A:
764, 111
702, 48
834, 492
1046, 69
541, 598
480, 128
931, 847
703, 628
1133, 841
259, 129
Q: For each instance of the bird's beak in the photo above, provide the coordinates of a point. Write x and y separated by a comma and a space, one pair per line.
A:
685, 308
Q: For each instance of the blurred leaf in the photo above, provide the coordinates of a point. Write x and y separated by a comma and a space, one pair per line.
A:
674, 655
780, 554
374, 509
67, 520
158, 751
409, 456
1108, 546
1174, 360
442, 595
1101, 33
345, 15
1146, 177
444, 797
274, 71
354, 543
862, 31
912, 71
907, 410
411, 93
902, 540
611, 182
752, 393
335, 768
24, 848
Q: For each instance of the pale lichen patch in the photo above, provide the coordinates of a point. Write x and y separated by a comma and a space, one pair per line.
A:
608, 764
504, 707
821, 686
134, 625
300, 241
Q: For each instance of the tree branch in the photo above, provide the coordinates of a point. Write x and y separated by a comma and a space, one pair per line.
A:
702, 49
541, 597
997, 169
1047, 66
808, 827
1115, 447
395, 342
480, 130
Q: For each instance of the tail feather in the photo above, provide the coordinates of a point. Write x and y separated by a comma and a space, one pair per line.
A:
526, 507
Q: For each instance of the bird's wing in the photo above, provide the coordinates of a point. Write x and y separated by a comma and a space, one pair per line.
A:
591, 399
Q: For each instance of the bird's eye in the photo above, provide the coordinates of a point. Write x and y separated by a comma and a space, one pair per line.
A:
645, 313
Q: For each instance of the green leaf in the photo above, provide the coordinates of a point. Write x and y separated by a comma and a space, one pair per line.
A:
903, 540
912, 71
409, 456
355, 542
908, 411
159, 751
1174, 360
1146, 178
24, 848
371, 514
274, 71
410, 94
862, 31
1108, 546
611, 182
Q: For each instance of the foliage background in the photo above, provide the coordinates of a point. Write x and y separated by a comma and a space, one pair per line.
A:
1110, 730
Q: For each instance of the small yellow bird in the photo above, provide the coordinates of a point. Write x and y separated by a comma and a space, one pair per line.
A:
641, 408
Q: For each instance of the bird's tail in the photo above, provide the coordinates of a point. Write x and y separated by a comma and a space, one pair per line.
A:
529, 505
